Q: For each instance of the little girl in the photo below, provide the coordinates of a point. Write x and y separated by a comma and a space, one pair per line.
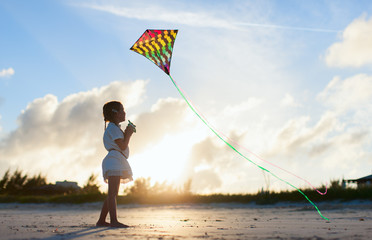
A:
115, 166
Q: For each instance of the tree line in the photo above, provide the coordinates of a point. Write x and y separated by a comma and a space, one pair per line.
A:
18, 183
19, 187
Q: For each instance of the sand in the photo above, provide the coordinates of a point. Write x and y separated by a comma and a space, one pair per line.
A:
202, 221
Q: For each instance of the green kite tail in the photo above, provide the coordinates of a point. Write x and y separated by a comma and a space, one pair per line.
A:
228, 144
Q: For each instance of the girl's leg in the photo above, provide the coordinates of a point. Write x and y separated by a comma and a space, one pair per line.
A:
102, 218
113, 190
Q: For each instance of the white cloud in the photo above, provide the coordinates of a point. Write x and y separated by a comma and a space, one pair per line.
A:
64, 139
349, 94
337, 142
6, 72
296, 137
204, 168
165, 117
355, 49
236, 110
192, 18
214, 167
289, 101
155, 13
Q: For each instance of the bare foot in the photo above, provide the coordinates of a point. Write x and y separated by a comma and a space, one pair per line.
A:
118, 225
102, 224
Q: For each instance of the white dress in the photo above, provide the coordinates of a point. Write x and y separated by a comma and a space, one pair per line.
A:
116, 161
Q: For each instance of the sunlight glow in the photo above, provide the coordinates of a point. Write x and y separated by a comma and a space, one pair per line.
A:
166, 160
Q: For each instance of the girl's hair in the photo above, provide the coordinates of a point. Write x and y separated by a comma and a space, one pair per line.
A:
109, 110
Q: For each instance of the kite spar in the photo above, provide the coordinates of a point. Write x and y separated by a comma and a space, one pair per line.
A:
157, 46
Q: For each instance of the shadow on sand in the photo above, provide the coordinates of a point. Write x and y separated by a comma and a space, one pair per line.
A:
77, 234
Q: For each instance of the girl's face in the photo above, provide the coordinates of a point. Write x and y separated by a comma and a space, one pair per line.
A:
120, 115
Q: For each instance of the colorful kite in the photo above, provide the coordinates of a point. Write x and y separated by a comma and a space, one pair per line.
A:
157, 46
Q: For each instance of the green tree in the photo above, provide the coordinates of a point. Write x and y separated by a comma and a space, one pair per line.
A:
335, 184
35, 181
92, 185
187, 187
15, 183
140, 189
4, 181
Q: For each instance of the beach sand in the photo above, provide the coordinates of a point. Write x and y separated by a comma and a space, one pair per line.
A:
201, 221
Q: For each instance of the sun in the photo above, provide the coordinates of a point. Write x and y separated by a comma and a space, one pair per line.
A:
166, 160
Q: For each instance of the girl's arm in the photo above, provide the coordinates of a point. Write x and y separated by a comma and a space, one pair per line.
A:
124, 142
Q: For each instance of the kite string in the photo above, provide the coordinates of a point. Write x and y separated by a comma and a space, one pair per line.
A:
228, 144
246, 149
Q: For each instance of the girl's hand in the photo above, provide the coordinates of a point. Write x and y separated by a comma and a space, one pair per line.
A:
129, 130
123, 143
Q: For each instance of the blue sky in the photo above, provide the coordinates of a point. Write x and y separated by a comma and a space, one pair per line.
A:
279, 77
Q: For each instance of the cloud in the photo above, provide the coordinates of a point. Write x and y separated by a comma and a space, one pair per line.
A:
211, 163
155, 13
191, 18
248, 105
167, 116
344, 100
6, 72
203, 166
355, 49
297, 137
349, 94
340, 135
273, 26
1, 102
206, 181
63, 139
289, 101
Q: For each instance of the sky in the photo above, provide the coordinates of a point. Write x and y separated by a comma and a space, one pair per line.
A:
287, 83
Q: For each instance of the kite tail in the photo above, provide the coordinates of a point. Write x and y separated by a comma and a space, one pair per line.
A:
246, 149
228, 144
